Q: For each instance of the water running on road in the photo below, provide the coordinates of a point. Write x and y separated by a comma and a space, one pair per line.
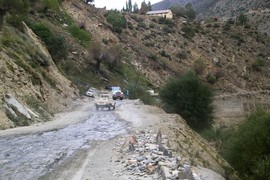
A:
30, 156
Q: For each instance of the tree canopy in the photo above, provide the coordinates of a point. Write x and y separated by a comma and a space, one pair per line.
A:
191, 98
248, 149
117, 20
17, 9
186, 11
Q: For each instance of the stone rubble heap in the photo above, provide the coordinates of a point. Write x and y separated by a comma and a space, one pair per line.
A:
151, 158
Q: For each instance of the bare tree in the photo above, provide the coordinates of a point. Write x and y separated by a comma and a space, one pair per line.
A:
114, 55
96, 52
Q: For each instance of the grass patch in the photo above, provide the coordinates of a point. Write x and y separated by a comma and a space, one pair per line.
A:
81, 35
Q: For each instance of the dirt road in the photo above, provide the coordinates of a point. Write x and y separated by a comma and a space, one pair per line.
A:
76, 145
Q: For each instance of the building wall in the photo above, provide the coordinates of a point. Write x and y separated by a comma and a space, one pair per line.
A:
168, 15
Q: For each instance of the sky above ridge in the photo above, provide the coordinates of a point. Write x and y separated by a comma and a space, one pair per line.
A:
119, 4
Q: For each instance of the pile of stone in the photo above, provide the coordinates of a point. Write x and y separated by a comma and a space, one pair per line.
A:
146, 155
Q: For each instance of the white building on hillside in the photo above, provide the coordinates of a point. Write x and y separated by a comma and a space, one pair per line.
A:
163, 13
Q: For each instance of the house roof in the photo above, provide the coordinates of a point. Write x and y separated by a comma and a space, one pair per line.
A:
158, 12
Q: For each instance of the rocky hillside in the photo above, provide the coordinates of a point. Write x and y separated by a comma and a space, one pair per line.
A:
231, 58
161, 49
31, 86
257, 11
149, 51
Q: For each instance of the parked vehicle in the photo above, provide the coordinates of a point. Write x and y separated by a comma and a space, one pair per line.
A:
103, 99
117, 93
90, 92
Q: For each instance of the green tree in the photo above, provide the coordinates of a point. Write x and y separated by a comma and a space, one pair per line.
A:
129, 6
56, 44
149, 6
144, 8
135, 8
117, 20
178, 10
126, 9
17, 9
190, 98
242, 19
248, 149
190, 12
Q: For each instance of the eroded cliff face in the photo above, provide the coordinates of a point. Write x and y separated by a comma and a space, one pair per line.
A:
29, 79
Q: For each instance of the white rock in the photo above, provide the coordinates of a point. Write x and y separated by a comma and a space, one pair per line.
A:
206, 174
10, 100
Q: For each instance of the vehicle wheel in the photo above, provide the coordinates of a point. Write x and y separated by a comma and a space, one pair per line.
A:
121, 98
97, 108
114, 98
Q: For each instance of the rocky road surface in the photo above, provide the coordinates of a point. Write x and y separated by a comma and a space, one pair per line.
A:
33, 152
85, 144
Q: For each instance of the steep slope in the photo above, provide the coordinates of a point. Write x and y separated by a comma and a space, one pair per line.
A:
162, 49
30, 93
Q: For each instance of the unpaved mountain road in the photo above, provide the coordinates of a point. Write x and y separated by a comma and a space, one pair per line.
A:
77, 145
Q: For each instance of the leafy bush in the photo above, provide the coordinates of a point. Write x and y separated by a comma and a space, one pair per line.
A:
187, 11
190, 12
248, 148
211, 78
139, 92
57, 48
199, 66
258, 64
190, 98
165, 54
216, 134
17, 11
136, 18
189, 32
227, 26
152, 56
80, 34
178, 10
130, 25
117, 20
51, 4
242, 19
55, 44
168, 30
141, 25
152, 25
